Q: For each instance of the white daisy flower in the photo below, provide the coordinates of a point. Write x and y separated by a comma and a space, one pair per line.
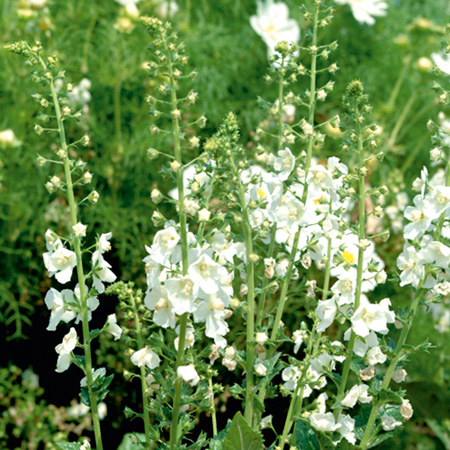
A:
364, 11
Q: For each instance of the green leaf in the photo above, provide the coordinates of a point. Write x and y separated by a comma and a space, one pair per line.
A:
381, 438
69, 445
132, 441
389, 396
241, 436
305, 438
129, 413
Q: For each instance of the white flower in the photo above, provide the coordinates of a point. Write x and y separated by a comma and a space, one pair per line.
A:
347, 425
204, 215
272, 23
86, 445
7, 137
59, 309
102, 410
364, 11
188, 374
260, 370
389, 423
372, 317
64, 350
206, 273
284, 164
420, 217
211, 311
399, 375
326, 312
164, 244
375, 356
164, 11
261, 338
266, 422
79, 229
112, 327
78, 410
406, 410
435, 252
80, 94
442, 61
357, 393
158, 300
191, 206
182, 292
102, 269
324, 422
97, 373
60, 263
411, 263
145, 357
299, 336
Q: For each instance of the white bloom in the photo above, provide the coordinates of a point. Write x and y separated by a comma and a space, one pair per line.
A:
420, 217
204, 215
86, 445
157, 299
164, 244
102, 269
260, 370
78, 410
284, 164
60, 263
112, 327
347, 425
97, 373
64, 350
266, 422
164, 11
411, 263
182, 292
399, 375
442, 61
79, 229
435, 252
364, 11
145, 357
372, 317
326, 312
206, 273
80, 94
406, 410
55, 302
191, 206
188, 374
324, 422
261, 338
375, 356
102, 410
299, 336
7, 137
211, 311
272, 23
389, 423
357, 393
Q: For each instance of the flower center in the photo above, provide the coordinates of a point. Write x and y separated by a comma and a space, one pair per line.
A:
349, 257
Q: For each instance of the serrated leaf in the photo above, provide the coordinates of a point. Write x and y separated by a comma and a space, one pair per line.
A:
236, 391
132, 441
129, 413
389, 396
241, 436
381, 438
305, 438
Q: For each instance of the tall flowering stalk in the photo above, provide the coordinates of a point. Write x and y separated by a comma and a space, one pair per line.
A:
60, 261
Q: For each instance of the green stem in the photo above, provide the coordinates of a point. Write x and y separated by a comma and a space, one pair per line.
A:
398, 84
80, 272
184, 252
250, 340
145, 402
361, 236
401, 119
213, 412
